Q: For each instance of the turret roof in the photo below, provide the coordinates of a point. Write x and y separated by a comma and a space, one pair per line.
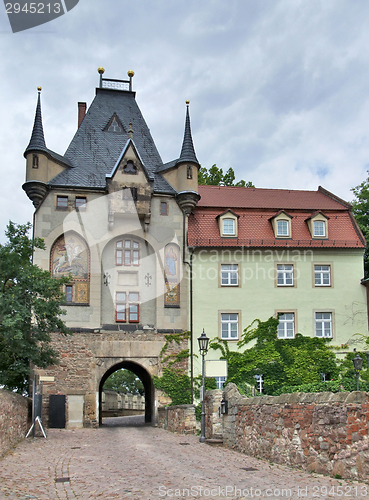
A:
188, 150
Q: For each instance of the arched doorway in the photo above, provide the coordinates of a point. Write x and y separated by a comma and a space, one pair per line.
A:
145, 378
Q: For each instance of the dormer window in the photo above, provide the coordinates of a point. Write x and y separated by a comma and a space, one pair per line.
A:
229, 227
228, 224
114, 125
281, 223
319, 228
318, 225
282, 228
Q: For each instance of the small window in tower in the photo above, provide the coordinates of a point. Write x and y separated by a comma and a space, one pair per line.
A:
163, 208
80, 203
189, 172
34, 161
62, 202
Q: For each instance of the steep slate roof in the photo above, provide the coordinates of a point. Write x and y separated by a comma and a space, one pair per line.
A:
255, 207
37, 141
94, 151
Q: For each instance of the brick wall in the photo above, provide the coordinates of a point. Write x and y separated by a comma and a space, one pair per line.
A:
324, 432
179, 418
14, 419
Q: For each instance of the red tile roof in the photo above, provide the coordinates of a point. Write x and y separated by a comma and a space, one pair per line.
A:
255, 207
276, 199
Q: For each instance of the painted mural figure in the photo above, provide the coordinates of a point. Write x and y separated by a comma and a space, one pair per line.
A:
171, 263
69, 258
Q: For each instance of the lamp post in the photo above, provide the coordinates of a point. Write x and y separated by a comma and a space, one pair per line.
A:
203, 348
358, 363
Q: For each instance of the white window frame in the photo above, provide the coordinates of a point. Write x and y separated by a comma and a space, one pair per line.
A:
286, 319
325, 323
282, 233
229, 275
284, 271
228, 319
317, 232
230, 231
322, 275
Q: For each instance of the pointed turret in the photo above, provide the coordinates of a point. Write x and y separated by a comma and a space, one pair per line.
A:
42, 163
188, 151
37, 141
187, 168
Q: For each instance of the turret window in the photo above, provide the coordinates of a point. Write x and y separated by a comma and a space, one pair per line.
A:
34, 161
189, 172
163, 208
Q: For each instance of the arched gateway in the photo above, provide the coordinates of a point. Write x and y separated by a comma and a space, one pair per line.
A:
146, 380
113, 218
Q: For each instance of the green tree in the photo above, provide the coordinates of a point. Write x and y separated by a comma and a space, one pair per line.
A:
360, 208
215, 177
29, 309
282, 362
124, 381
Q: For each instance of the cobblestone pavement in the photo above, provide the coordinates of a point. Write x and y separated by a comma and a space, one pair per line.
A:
144, 462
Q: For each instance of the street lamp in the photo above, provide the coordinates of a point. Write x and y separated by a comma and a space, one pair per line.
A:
358, 363
203, 348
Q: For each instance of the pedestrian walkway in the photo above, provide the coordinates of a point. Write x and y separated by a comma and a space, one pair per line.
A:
147, 463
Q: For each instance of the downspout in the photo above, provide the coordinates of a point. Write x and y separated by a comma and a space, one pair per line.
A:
191, 299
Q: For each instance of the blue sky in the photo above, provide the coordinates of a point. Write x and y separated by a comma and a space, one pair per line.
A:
278, 88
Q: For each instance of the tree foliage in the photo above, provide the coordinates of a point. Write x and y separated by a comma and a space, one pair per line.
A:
215, 177
360, 208
124, 381
29, 309
290, 362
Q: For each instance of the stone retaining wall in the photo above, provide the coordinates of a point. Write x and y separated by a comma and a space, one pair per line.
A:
14, 419
179, 418
324, 432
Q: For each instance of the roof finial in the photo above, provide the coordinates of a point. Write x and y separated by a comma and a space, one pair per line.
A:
187, 103
131, 74
39, 89
101, 71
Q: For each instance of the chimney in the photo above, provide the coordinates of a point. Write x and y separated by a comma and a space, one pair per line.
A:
82, 106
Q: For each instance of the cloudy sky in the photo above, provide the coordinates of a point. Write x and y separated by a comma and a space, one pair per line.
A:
279, 89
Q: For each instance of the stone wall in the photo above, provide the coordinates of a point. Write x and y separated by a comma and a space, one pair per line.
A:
15, 419
213, 421
179, 418
324, 432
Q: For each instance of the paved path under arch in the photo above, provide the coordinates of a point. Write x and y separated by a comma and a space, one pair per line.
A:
149, 463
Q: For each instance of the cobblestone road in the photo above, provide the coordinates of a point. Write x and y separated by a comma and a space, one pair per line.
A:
147, 463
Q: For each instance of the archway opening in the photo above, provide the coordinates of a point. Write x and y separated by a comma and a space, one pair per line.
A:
145, 379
